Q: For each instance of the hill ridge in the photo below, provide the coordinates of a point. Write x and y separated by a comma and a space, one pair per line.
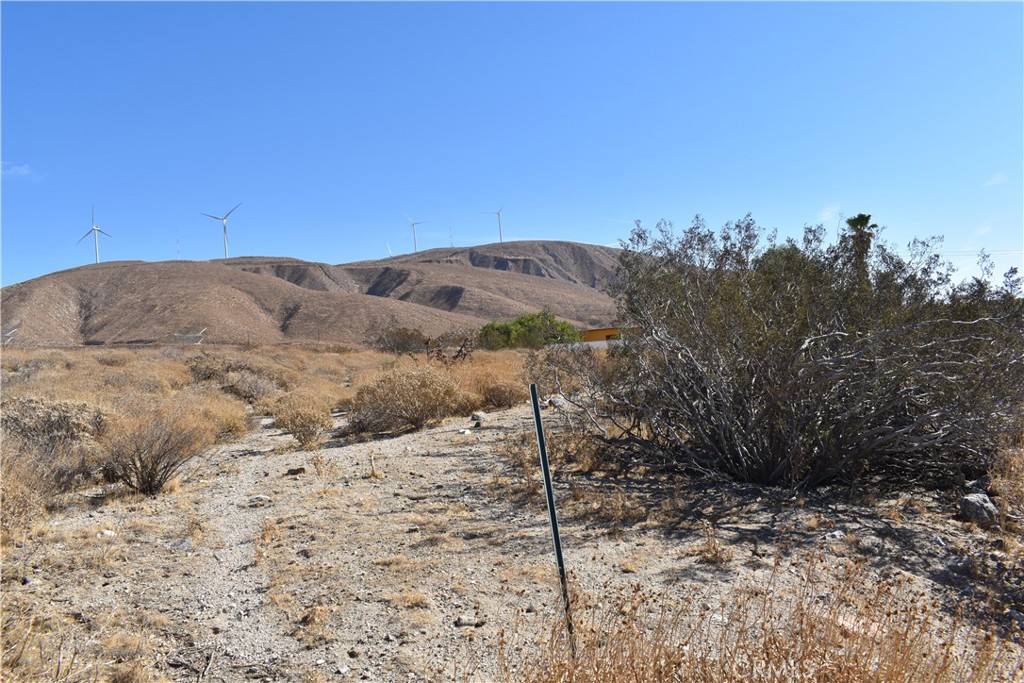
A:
272, 299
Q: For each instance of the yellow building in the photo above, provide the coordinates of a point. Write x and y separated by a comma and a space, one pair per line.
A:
601, 334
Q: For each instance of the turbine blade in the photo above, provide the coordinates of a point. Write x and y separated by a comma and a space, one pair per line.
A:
407, 217
89, 232
235, 207
211, 216
104, 232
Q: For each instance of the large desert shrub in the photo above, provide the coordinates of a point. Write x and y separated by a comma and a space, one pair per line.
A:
148, 446
799, 363
406, 397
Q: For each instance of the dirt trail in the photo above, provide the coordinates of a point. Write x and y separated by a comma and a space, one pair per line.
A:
227, 600
406, 568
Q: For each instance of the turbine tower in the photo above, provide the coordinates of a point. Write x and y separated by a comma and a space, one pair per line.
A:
224, 220
498, 213
95, 234
414, 224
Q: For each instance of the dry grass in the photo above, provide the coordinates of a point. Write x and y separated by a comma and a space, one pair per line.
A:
853, 634
39, 643
58, 403
313, 627
306, 416
408, 397
326, 471
395, 562
408, 599
1008, 482
711, 550
36, 478
495, 377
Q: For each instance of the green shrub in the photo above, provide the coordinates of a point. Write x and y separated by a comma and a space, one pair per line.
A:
531, 331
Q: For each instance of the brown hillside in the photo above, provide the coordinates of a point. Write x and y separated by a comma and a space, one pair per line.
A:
153, 302
585, 264
305, 274
485, 294
277, 300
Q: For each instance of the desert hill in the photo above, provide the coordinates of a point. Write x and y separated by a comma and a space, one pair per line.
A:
586, 264
271, 300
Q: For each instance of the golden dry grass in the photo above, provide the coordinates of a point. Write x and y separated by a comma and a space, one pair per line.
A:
1008, 481
57, 389
495, 378
306, 416
41, 643
862, 631
409, 397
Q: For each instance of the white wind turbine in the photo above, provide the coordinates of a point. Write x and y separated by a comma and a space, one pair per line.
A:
224, 220
95, 234
414, 224
498, 213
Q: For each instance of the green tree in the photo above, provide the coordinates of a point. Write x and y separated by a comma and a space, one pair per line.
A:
530, 330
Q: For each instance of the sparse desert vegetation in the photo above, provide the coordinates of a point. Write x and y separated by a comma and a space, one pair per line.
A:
305, 513
775, 633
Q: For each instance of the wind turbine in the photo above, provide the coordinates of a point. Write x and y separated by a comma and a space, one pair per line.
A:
498, 213
414, 224
95, 234
224, 220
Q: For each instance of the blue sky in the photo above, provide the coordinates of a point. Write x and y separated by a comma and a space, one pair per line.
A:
332, 121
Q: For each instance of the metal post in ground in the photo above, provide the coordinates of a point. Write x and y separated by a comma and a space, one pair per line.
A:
556, 539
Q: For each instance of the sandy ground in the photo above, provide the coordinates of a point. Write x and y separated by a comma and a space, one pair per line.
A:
415, 558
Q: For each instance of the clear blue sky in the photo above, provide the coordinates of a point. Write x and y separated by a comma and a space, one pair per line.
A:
330, 121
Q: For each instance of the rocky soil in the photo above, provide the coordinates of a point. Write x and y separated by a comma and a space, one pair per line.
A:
419, 557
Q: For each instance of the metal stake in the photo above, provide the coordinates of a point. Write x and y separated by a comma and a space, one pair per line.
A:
549, 491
